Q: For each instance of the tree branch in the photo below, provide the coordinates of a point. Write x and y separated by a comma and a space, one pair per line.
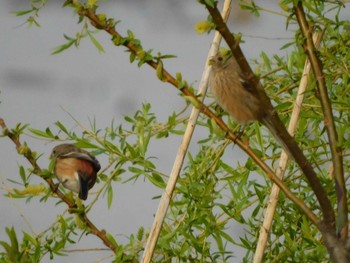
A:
336, 151
293, 147
28, 154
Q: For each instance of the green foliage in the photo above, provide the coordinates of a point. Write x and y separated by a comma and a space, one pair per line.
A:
211, 3
250, 6
212, 195
33, 12
33, 248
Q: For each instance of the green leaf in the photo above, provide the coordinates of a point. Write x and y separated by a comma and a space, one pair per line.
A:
266, 60
132, 57
111, 239
167, 56
140, 233
109, 196
211, 3
19, 128
86, 144
12, 249
157, 180
131, 150
62, 127
227, 236
283, 106
159, 70
23, 12
135, 170
32, 240
96, 43
63, 47
44, 134
22, 174
285, 46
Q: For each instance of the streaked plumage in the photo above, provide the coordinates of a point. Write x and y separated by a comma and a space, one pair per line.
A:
234, 93
232, 90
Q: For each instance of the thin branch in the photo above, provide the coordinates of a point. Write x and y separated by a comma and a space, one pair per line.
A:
83, 250
273, 198
278, 125
29, 155
336, 151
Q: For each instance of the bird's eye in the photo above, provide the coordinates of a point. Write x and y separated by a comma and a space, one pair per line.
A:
220, 59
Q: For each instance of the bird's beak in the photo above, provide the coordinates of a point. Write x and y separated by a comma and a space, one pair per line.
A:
211, 62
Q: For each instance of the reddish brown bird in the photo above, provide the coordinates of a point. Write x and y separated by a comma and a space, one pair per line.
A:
75, 168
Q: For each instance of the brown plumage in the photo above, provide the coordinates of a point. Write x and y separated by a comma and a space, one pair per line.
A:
235, 94
232, 90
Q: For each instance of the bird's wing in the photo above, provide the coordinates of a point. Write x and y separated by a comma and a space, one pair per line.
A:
83, 156
245, 82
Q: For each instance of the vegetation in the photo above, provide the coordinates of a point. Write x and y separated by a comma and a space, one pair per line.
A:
310, 220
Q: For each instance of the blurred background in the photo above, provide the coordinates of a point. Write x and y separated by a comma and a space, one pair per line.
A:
39, 88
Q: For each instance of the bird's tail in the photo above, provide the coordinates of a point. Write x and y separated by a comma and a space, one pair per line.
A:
84, 185
267, 121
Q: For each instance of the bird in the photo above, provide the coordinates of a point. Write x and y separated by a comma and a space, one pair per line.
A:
233, 91
75, 168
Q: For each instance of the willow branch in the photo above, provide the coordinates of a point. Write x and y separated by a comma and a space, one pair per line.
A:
29, 155
336, 151
293, 148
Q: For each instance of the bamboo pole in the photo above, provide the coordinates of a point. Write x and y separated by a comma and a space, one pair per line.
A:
167, 195
275, 190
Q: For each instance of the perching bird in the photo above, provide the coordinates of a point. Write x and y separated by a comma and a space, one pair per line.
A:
75, 168
233, 91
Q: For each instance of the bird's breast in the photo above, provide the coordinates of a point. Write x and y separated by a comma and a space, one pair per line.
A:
67, 172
